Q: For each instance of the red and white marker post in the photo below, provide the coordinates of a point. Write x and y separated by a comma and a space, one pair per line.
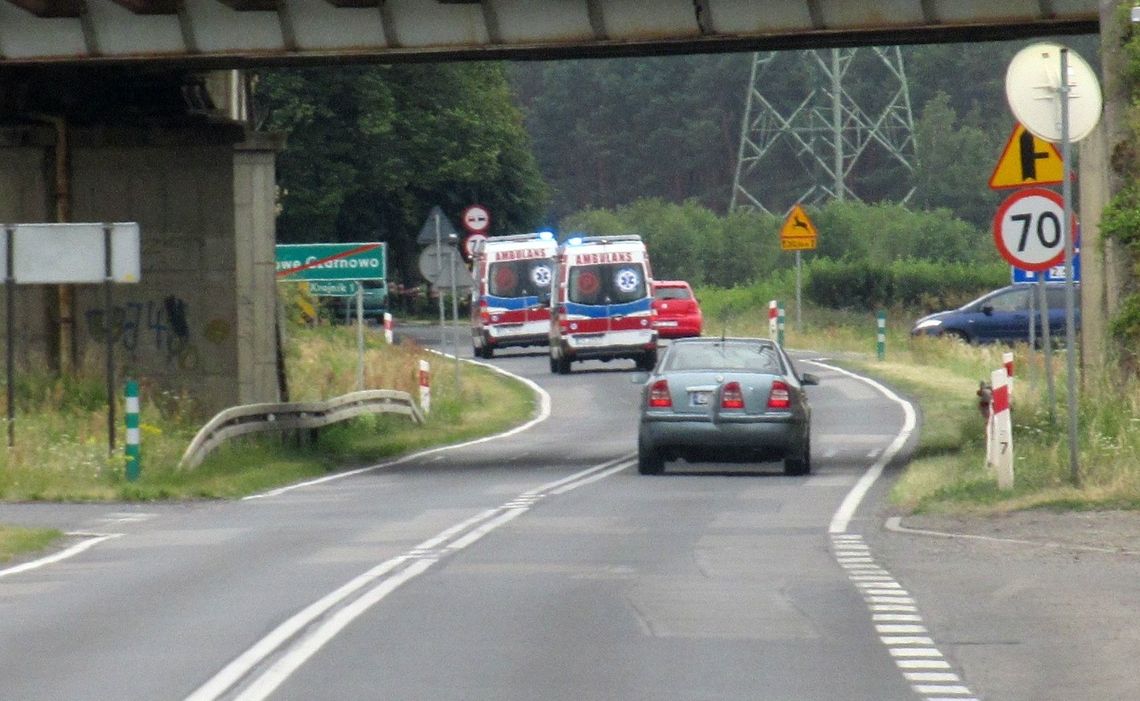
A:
999, 451
425, 386
388, 328
773, 319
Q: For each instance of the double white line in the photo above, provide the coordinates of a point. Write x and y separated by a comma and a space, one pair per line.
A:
293, 642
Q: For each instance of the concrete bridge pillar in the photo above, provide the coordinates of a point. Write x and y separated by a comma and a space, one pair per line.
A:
201, 321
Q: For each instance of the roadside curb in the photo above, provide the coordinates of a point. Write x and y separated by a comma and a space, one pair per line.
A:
894, 524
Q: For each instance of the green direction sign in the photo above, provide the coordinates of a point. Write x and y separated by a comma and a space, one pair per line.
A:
333, 288
332, 261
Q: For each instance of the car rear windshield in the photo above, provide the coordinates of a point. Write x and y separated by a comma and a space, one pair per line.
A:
611, 283
520, 278
753, 357
671, 293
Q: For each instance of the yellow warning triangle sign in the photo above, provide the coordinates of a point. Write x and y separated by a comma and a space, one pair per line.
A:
1027, 160
797, 233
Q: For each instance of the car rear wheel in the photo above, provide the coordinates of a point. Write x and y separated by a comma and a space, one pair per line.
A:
647, 360
649, 460
553, 365
563, 365
799, 464
488, 352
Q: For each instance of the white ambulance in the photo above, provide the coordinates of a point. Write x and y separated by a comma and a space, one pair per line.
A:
602, 306
510, 302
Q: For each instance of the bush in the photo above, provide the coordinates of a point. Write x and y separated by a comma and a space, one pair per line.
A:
854, 285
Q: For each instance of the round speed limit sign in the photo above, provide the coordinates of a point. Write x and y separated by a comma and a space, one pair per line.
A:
1027, 229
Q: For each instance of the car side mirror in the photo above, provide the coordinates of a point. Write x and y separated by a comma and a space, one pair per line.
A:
809, 379
639, 378
988, 310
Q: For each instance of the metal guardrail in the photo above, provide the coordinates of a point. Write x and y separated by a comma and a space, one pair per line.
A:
253, 418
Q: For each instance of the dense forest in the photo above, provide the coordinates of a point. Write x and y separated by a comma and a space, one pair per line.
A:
609, 131
370, 149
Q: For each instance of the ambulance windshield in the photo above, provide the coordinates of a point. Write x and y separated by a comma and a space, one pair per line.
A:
611, 283
520, 278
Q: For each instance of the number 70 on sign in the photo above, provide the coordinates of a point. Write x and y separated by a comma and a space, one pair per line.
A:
1027, 229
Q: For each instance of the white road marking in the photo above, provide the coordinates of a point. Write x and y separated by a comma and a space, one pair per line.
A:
901, 631
296, 640
842, 517
92, 539
543, 415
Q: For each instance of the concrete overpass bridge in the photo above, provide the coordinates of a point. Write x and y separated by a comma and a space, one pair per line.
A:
202, 188
236, 33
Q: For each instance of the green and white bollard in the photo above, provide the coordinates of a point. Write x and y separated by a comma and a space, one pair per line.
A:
881, 336
132, 449
780, 326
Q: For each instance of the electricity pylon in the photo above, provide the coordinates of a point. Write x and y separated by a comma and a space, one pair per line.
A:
829, 133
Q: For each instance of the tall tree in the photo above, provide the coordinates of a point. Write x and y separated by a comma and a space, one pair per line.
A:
954, 164
370, 149
609, 131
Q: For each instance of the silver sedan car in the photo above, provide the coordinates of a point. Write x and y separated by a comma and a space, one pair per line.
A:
724, 400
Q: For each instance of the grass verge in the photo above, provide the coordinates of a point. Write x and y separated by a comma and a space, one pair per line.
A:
16, 541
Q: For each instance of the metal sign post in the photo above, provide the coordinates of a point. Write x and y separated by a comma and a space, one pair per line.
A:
108, 280
454, 317
438, 274
72, 253
10, 306
360, 337
1062, 106
1070, 305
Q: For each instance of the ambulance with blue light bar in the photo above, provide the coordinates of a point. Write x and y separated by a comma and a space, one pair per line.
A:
602, 306
510, 305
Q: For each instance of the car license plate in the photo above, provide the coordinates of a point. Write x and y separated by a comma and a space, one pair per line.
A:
667, 323
588, 340
699, 398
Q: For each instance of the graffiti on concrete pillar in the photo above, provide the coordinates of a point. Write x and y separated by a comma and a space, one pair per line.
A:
158, 326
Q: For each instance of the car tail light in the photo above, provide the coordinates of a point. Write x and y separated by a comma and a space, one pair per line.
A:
483, 313
731, 397
659, 395
779, 397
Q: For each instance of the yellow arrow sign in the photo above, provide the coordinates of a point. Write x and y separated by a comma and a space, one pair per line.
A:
798, 233
1027, 160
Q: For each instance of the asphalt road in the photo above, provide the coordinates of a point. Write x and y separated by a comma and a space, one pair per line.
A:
539, 565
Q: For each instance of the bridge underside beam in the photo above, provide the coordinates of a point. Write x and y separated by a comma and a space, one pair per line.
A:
239, 33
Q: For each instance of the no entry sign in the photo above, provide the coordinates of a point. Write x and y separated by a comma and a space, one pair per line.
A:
1028, 229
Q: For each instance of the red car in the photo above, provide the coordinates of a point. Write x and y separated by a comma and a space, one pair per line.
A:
678, 314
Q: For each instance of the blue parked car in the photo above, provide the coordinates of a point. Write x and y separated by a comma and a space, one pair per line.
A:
1001, 316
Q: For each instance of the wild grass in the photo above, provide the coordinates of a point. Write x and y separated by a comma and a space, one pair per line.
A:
17, 541
941, 376
948, 473
60, 451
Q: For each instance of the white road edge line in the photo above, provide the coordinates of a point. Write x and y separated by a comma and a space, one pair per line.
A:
93, 539
543, 415
464, 534
846, 510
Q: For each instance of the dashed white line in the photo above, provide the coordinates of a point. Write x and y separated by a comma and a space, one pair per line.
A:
901, 629
894, 612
